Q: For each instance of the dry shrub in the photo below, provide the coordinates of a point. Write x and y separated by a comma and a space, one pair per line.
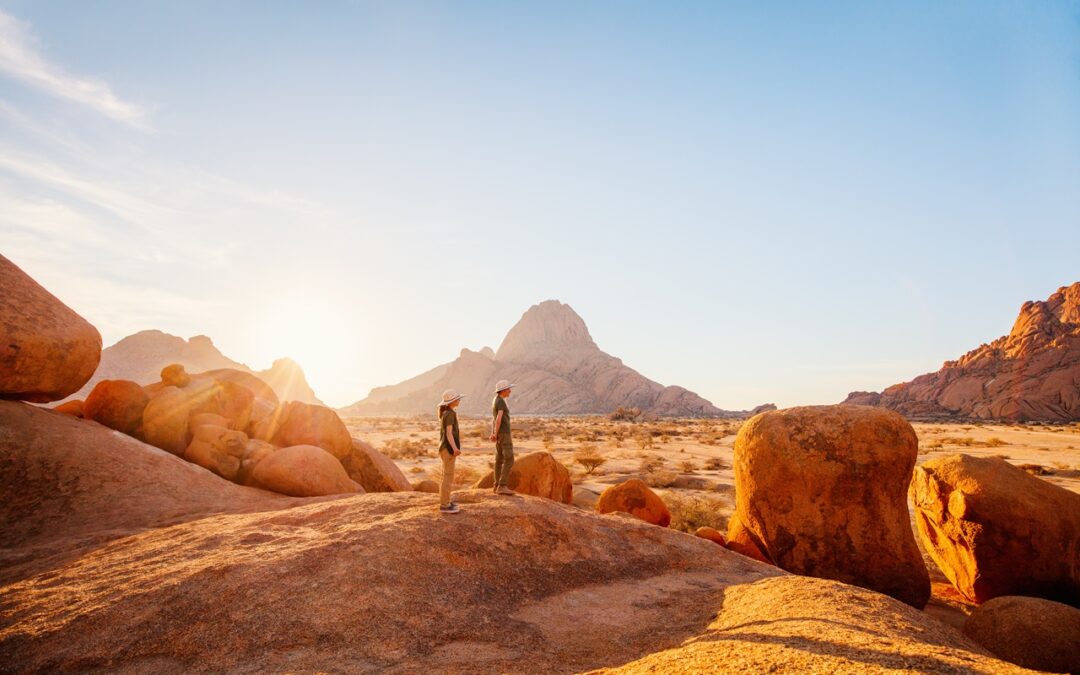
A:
689, 512
715, 464
403, 448
661, 478
645, 442
651, 464
689, 466
589, 458
622, 414
994, 442
1036, 469
464, 476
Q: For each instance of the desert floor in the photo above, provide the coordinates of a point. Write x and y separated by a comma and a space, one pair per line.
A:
688, 461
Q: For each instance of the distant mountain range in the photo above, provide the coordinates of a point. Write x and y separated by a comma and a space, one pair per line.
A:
557, 369
1033, 373
140, 358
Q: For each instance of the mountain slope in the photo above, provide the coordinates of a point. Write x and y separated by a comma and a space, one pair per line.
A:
140, 358
1033, 373
556, 367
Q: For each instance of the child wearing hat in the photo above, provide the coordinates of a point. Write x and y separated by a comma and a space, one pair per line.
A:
449, 447
500, 433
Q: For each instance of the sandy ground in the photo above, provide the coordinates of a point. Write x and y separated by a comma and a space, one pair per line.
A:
688, 461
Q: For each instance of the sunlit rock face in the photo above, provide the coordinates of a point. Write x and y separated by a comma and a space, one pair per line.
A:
1033, 373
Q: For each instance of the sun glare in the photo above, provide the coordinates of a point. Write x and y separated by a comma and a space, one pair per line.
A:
316, 333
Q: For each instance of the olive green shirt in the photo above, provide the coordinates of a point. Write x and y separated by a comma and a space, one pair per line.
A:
449, 419
500, 404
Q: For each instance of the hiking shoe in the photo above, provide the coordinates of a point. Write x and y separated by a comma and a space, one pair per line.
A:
505, 491
450, 508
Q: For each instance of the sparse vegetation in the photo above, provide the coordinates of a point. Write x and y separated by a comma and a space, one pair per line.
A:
689, 512
625, 415
589, 458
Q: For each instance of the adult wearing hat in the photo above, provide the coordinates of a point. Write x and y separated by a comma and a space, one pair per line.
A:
500, 434
449, 447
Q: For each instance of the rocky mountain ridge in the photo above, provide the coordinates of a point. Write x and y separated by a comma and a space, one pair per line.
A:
1033, 373
557, 368
141, 356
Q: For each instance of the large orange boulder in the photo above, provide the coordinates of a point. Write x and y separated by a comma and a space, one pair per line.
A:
1030, 632
373, 470
995, 529
118, 404
255, 452
538, 474
264, 400
303, 471
635, 497
166, 419
73, 407
296, 423
822, 491
47, 351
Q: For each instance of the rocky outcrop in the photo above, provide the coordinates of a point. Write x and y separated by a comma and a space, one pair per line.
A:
47, 351
1030, 632
995, 530
120, 557
374, 471
142, 356
822, 491
557, 367
538, 474
635, 497
1033, 373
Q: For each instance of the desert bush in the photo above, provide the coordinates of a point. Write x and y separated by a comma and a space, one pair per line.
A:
645, 442
689, 512
689, 466
589, 458
994, 442
650, 464
464, 476
622, 414
715, 464
403, 448
661, 478
1036, 469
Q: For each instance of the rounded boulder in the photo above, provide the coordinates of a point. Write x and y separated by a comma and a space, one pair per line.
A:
47, 351
303, 471
994, 529
1030, 632
538, 474
117, 404
637, 499
822, 491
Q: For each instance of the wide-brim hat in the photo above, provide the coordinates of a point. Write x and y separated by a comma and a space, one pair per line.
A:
451, 395
503, 385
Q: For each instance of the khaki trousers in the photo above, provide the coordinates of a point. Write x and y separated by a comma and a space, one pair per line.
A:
504, 459
448, 461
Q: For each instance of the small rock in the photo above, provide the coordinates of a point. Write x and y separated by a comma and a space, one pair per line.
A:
635, 497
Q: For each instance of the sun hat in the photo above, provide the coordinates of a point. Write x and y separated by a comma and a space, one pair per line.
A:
449, 396
502, 385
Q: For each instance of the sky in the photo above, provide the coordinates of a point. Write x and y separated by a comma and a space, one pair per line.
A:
761, 202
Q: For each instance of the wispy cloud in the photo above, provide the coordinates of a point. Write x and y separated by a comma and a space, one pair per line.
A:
21, 59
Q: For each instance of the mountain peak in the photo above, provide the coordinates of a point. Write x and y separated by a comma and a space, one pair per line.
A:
543, 328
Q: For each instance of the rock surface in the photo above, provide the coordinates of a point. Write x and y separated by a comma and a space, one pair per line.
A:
47, 351
822, 490
142, 356
1033, 373
635, 497
303, 471
295, 423
551, 357
1031, 632
118, 404
538, 474
373, 470
995, 529
120, 557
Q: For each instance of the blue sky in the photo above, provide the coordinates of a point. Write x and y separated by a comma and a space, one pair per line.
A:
760, 202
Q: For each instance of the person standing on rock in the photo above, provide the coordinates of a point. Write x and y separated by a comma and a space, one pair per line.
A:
500, 434
449, 447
